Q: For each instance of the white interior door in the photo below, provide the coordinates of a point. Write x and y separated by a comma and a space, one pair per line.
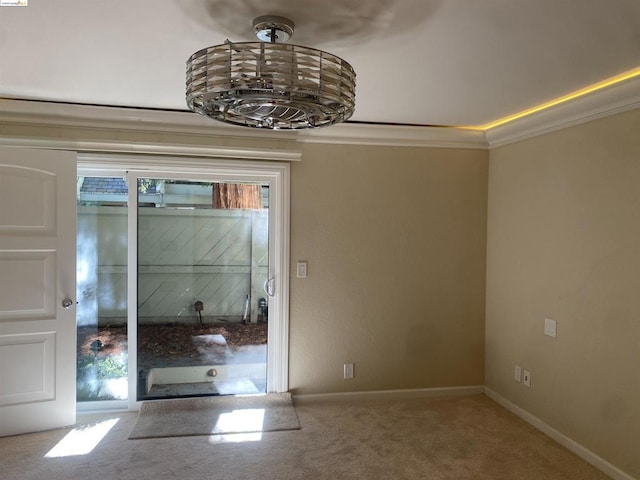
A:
37, 290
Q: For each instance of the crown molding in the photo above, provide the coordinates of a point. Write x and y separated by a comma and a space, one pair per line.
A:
396, 136
28, 113
608, 101
613, 99
69, 115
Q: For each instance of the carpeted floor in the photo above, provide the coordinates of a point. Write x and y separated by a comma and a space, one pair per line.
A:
430, 438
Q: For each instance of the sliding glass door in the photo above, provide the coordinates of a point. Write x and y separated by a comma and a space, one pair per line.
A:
101, 282
175, 259
202, 268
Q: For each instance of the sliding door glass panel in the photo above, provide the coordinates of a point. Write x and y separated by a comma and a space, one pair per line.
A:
202, 312
101, 289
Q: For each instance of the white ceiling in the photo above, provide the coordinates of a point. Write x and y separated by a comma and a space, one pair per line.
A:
424, 62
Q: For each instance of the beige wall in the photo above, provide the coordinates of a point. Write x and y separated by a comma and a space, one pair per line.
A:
564, 243
396, 240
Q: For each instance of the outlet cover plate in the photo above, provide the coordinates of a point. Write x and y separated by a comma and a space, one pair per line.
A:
526, 379
348, 370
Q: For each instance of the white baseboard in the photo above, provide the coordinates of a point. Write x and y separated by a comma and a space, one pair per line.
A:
387, 394
587, 455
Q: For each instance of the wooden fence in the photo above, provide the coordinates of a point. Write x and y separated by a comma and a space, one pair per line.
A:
217, 257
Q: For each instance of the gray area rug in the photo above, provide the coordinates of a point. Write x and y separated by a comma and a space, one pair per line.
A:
215, 416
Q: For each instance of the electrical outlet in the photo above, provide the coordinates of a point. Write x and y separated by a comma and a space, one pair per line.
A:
348, 370
550, 327
527, 378
518, 374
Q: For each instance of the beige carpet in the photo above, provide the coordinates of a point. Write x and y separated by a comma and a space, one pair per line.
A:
456, 438
215, 416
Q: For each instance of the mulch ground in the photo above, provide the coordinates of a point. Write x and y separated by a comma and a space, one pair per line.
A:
156, 342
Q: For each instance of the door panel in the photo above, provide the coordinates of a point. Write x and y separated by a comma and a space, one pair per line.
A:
202, 261
37, 216
37, 272
29, 294
31, 378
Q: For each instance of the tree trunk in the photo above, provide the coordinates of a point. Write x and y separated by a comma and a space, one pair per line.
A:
237, 195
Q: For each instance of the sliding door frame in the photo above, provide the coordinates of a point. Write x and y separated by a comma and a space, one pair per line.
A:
274, 174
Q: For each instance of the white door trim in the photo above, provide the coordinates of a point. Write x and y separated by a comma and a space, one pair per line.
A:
277, 176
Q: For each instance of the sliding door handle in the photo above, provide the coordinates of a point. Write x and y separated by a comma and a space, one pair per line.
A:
269, 286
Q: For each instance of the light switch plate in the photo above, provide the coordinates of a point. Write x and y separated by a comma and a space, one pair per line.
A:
517, 376
550, 327
301, 269
348, 370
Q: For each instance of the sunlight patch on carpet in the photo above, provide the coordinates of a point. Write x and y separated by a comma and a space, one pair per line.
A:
241, 421
82, 440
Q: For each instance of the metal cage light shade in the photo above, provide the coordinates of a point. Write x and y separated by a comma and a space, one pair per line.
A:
270, 85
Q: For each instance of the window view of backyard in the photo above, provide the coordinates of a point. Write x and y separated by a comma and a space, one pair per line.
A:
202, 312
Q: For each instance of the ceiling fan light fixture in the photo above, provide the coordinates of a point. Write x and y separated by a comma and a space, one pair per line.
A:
269, 84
